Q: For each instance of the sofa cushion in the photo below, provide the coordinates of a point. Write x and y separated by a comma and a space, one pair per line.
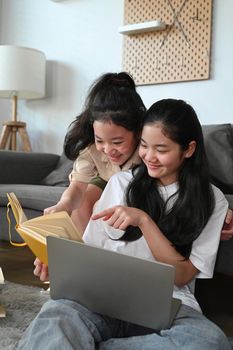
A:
32, 196
60, 175
219, 148
26, 167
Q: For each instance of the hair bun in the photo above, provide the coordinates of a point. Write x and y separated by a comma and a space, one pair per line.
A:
122, 79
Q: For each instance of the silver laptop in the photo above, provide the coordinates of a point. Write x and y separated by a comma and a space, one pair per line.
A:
113, 284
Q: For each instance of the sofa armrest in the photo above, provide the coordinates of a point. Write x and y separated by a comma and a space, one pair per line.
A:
25, 168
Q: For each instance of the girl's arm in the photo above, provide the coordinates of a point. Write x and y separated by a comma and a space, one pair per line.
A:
227, 230
84, 169
71, 198
120, 217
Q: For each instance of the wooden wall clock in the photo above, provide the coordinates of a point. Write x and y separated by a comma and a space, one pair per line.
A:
179, 51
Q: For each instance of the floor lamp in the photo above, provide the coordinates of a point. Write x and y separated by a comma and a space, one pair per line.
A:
22, 76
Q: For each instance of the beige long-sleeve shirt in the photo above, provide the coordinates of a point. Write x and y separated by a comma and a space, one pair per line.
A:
92, 163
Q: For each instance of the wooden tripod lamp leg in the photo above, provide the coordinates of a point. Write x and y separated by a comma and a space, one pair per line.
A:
13, 138
25, 139
9, 133
14, 119
10, 129
4, 136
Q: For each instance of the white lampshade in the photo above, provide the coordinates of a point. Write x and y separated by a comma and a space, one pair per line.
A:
22, 72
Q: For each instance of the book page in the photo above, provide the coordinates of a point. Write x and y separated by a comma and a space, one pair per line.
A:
16, 208
47, 230
54, 220
26, 231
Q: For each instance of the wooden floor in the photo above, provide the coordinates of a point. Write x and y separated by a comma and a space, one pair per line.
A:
17, 265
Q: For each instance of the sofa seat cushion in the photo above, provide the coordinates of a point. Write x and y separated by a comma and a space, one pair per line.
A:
32, 196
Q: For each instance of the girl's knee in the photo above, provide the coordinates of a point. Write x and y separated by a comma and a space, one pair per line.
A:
211, 333
206, 335
60, 307
218, 339
196, 332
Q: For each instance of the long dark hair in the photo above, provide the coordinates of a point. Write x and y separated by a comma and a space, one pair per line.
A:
112, 98
194, 200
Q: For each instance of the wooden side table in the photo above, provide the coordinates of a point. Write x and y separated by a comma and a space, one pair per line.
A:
9, 133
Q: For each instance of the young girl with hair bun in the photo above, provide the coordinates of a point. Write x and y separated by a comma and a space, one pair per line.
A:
102, 141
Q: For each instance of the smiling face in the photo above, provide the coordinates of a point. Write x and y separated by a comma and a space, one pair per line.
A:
115, 141
162, 156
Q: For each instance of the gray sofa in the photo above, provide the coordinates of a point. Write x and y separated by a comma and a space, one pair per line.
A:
38, 180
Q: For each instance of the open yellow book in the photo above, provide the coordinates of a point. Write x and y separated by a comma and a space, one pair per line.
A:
35, 231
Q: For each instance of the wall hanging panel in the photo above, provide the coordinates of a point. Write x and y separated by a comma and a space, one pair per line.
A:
177, 49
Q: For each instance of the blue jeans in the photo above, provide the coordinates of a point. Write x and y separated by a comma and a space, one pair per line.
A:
65, 325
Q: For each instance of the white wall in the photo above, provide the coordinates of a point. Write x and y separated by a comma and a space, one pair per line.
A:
80, 41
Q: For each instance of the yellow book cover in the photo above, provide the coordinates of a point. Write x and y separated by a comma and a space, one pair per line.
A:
35, 231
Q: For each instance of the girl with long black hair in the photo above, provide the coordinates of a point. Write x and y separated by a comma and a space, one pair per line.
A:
164, 210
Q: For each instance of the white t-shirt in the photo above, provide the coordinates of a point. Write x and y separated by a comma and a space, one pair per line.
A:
204, 248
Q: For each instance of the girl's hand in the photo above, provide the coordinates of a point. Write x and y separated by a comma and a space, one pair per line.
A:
50, 210
120, 217
227, 230
60, 206
41, 270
